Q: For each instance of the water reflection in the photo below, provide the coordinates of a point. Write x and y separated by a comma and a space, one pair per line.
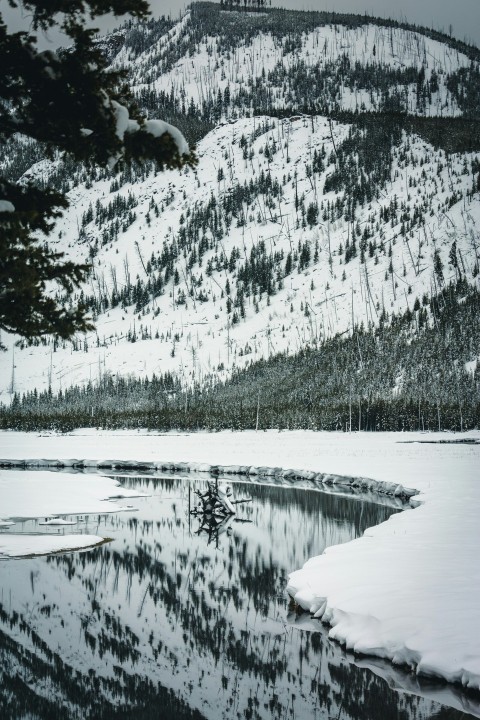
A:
169, 622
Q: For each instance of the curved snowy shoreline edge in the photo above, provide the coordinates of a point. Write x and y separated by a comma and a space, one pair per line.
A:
329, 480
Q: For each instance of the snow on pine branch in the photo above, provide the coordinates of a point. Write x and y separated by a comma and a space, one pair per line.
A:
155, 128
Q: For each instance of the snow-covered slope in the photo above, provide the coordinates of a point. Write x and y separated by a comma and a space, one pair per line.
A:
290, 229
267, 58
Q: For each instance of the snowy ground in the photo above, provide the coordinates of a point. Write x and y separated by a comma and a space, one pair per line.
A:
408, 590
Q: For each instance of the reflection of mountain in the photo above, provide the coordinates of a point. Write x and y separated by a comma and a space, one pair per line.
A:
159, 623
38, 684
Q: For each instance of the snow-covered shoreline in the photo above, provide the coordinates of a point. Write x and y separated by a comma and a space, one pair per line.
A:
46, 494
43, 494
407, 590
322, 480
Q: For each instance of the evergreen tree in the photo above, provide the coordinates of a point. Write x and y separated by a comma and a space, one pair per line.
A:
70, 102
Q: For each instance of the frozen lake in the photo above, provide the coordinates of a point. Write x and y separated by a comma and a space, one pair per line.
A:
167, 618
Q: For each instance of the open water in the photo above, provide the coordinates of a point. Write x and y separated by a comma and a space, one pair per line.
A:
175, 618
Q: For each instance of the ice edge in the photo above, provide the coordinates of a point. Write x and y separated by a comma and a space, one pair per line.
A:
327, 479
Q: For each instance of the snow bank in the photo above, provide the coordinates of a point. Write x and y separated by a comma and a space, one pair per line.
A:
317, 479
27, 545
408, 590
45, 494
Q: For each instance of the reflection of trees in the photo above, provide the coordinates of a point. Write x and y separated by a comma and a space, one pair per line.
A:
213, 528
369, 693
351, 512
199, 610
293, 501
161, 603
71, 694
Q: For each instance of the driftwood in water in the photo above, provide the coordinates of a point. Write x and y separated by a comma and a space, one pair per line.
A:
216, 511
216, 501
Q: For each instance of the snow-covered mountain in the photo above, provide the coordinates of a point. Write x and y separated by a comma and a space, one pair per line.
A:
325, 196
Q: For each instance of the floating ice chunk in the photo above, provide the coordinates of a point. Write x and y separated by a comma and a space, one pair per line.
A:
12, 546
44, 494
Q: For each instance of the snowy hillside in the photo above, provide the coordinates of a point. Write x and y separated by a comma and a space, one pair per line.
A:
292, 228
337, 59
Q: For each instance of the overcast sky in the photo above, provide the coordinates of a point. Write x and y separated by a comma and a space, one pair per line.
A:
462, 15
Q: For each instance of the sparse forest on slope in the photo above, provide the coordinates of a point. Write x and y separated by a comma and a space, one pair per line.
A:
410, 374
338, 190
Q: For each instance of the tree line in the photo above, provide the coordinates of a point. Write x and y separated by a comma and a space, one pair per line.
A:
415, 371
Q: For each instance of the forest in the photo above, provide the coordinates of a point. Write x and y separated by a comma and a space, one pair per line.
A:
411, 372
372, 376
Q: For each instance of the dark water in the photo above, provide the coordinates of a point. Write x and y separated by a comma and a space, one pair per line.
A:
169, 622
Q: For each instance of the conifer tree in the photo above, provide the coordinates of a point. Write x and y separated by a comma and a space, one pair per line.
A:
70, 101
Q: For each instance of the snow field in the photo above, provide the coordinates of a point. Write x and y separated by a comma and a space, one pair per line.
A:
208, 69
